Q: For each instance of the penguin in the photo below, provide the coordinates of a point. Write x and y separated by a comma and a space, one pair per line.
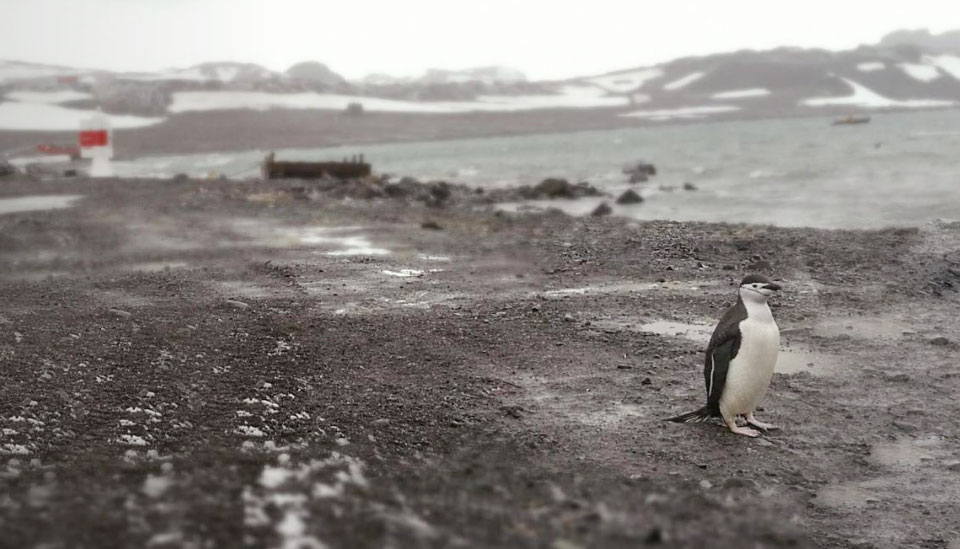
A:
740, 359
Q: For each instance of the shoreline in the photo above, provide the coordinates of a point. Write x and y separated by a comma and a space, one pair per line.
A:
242, 130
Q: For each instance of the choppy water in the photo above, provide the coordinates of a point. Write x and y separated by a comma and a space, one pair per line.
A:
903, 169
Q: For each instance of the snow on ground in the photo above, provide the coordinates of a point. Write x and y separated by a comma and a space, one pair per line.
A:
923, 73
570, 97
871, 66
683, 112
684, 82
741, 94
949, 63
865, 97
47, 96
192, 74
624, 82
10, 71
45, 117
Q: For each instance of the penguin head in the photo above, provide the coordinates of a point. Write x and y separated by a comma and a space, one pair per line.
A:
757, 286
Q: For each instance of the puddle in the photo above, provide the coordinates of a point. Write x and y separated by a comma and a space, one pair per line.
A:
862, 328
906, 453
789, 361
612, 415
846, 496
626, 287
37, 202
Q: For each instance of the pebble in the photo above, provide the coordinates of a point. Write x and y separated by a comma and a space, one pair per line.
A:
706, 484
568, 317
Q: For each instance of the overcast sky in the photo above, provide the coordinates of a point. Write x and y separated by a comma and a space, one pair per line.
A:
543, 38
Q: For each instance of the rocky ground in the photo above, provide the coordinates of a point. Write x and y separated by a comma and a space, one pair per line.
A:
204, 363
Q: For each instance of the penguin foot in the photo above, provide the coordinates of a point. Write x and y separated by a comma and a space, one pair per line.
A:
759, 424
745, 431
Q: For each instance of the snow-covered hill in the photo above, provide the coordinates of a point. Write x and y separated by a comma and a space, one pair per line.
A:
894, 74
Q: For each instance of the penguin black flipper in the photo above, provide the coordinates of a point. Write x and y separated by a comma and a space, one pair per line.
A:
722, 349
715, 371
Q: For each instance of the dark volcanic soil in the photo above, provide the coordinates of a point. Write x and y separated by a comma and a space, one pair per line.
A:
221, 364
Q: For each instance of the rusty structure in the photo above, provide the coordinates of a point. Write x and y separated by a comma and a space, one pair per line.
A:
352, 168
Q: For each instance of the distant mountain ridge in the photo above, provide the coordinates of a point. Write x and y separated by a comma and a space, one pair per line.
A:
906, 69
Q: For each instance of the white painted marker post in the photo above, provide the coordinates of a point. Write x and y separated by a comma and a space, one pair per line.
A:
96, 143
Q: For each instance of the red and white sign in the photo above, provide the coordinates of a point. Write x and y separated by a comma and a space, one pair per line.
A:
94, 138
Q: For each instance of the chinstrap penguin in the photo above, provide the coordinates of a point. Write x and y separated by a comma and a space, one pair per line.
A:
741, 356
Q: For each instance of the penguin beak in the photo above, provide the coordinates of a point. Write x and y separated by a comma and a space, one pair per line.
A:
772, 286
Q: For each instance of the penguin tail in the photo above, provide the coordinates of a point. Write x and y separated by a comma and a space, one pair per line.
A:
696, 416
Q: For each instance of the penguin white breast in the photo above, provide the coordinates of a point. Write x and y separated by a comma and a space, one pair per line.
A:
750, 372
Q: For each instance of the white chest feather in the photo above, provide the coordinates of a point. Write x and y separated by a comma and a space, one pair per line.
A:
750, 372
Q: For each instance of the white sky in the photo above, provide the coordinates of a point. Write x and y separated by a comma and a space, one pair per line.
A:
543, 38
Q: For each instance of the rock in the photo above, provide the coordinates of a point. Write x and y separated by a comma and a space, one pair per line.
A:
440, 190
6, 168
629, 197
601, 210
734, 483
584, 188
688, 186
119, 313
706, 484
654, 536
762, 265
568, 317
181, 177
939, 341
953, 466
646, 381
396, 190
238, 304
432, 225
554, 188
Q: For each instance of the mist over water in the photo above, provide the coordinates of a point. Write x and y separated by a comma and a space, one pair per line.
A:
899, 170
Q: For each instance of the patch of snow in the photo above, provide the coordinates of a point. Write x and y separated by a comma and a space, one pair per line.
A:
249, 431
923, 73
46, 117
10, 71
871, 66
684, 82
625, 82
156, 485
569, 97
131, 440
403, 273
47, 96
14, 449
867, 98
949, 63
741, 94
683, 112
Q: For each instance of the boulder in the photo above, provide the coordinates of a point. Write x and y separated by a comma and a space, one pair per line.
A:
629, 197
6, 168
688, 186
601, 210
555, 188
